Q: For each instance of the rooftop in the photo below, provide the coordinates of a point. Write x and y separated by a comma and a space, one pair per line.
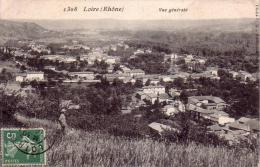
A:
212, 68
21, 74
82, 72
211, 98
159, 127
116, 75
149, 76
138, 71
244, 119
204, 111
243, 72
164, 96
239, 126
34, 72
29, 72
215, 127
169, 107
253, 124
151, 95
233, 72
49, 67
150, 87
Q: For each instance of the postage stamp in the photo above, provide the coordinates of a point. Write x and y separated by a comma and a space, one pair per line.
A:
23, 146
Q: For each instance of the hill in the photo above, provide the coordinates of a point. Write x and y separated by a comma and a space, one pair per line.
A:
229, 25
21, 30
61, 29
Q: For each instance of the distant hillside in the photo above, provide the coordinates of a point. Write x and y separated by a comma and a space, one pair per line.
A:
51, 30
164, 25
21, 30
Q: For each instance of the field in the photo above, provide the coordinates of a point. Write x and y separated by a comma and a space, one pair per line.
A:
79, 148
94, 149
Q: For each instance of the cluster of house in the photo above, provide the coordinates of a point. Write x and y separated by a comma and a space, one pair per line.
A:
211, 108
173, 108
210, 72
190, 60
17, 52
40, 48
131, 75
98, 54
158, 93
121, 44
208, 107
86, 75
33, 46
125, 74
72, 76
92, 57
201, 107
95, 53
76, 46
10, 88
59, 58
243, 75
140, 51
153, 93
21, 53
194, 62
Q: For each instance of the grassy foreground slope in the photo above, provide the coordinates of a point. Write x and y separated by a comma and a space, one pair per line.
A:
80, 148
93, 149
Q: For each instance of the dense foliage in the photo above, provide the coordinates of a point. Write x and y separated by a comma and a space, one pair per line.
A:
242, 97
8, 107
5, 76
235, 50
151, 63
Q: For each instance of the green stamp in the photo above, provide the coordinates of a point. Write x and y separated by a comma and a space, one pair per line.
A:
23, 146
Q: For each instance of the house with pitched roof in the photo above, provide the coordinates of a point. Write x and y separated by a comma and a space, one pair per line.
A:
82, 75
170, 110
209, 107
207, 102
137, 72
154, 89
158, 128
246, 124
29, 76
245, 76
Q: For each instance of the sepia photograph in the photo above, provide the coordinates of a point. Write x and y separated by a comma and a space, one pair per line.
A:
120, 83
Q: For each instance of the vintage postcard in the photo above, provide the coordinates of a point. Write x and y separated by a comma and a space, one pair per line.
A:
126, 83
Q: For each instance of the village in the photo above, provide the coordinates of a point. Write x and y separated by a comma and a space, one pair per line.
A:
79, 64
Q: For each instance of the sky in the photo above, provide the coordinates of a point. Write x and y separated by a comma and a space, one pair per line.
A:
133, 9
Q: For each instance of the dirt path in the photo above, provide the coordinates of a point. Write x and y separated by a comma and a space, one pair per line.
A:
42, 123
34, 122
